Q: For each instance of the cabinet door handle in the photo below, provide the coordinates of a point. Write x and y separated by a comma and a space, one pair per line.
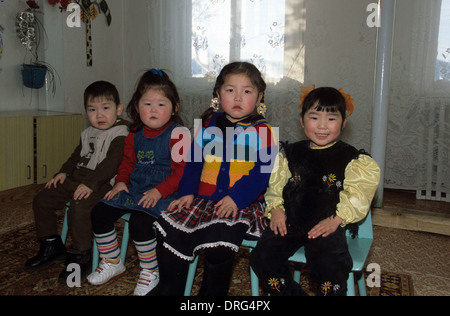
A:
45, 171
29, 172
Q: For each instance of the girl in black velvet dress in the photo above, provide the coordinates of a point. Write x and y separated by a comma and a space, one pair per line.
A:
321, 187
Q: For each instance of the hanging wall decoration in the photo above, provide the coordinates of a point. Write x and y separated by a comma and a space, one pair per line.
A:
26, 29
29, 30
89, 11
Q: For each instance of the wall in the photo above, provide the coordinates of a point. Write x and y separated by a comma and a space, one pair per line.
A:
338, 48
108, 56
340, 52
12, 96
65, 49
136, 45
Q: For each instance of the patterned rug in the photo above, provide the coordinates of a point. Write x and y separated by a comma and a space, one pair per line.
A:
17, 246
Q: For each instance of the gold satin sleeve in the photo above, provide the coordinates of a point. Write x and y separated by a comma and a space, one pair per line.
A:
278, 179
362, 177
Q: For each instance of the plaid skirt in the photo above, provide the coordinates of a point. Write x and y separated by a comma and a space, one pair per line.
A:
198, 227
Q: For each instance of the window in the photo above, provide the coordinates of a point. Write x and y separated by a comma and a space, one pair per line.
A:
443, 57
228, 30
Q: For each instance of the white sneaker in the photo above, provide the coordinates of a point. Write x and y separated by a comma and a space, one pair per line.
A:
147, 281
105, 272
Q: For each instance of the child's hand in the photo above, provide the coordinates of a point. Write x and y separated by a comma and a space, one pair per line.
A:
226, 207
278, 222
150, 198
184, 201
325, 227
82, 192
118, 187
59, 178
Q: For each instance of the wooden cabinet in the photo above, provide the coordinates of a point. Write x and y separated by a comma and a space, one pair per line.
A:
35, 144
16, 152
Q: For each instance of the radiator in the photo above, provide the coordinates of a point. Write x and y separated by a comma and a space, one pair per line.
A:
433, 175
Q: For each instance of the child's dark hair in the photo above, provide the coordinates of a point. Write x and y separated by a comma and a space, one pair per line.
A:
153, 79
325, 99
100, 89
237, 68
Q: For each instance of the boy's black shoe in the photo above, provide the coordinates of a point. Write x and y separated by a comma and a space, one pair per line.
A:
83, 260
51, 251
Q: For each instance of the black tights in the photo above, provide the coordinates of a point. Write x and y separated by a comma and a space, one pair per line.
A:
173, 271
141, 223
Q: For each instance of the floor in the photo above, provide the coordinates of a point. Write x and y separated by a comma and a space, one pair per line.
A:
402, 210
413, 236
423, 255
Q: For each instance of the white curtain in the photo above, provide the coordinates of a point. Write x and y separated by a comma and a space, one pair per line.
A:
326, 43
180, 31
419, 105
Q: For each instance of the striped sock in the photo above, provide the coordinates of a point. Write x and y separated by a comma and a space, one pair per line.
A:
147, 254
108, 247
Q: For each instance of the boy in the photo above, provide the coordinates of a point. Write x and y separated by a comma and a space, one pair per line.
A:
83, 180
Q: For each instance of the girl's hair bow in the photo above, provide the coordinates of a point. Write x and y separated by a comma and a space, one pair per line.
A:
156, 72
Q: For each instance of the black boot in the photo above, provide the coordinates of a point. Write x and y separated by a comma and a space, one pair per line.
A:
51, 251
217, 272
84, 261
173, 272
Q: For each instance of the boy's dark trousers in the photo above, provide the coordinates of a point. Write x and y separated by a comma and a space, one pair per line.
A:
328, 259
48, 201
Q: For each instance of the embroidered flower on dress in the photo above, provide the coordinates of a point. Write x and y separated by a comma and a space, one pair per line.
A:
331, 178
129, 202
295, 178
325, 288
336, 288
274, 284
